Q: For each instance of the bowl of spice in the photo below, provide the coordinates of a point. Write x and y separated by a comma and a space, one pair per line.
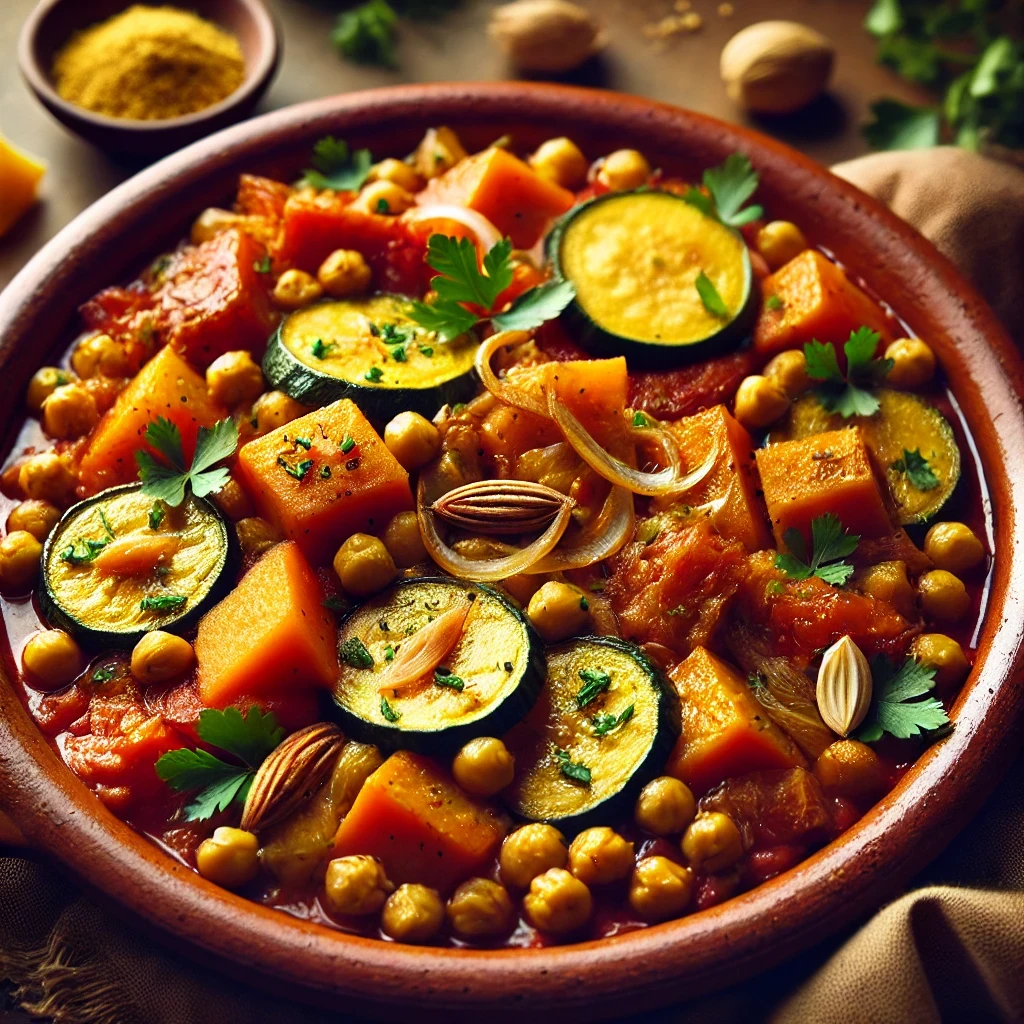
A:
146, 79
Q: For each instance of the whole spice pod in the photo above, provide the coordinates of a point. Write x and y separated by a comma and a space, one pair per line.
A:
546, 36
775, 67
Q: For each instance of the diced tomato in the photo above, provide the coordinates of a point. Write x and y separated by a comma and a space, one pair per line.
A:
262, 197
669, 394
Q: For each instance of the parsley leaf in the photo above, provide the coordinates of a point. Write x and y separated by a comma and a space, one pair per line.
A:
461, 281
846, 395
250, 737
730, 186
894, 125
168, 481
442, 677
83, 550
366, 34
595, 682
829, 542
388, 712
575, 770
893, 709
156, 515
299, 470
353, 653
773, 302
536, 306
918, 471
713, 302
334, 167
605, 723
162, 603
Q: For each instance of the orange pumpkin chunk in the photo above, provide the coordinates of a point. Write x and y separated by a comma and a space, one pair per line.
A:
318, 496
829, 472
269, 635
725, 732
422, 827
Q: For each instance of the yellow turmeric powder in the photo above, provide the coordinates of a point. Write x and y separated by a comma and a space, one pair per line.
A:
149, 63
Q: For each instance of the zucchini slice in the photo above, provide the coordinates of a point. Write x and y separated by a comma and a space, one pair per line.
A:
634, 258
367, 349
904, 422
582, 756
118, 565
499, 662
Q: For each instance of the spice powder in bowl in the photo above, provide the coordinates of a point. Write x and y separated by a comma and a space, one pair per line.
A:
149, 64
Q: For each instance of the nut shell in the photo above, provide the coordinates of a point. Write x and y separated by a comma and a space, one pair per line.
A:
844, 687
547, 36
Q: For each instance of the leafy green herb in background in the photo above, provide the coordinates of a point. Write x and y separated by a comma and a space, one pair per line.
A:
894, 709
335, 167
846, 395
829, 543
962, 49
366, 34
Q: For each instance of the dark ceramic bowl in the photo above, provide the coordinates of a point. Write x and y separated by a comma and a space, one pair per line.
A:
836, 886
53, 22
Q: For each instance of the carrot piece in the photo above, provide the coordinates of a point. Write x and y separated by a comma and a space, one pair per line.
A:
136, 555
166, 386
425, 650
732, 480
823, 473
724, 730
516, 200
423, 828
365, 488
271, 633
818, 301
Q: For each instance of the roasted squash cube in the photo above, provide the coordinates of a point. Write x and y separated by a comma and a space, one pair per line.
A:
316, 494
420, 824
725, 732
269, 635
823, 473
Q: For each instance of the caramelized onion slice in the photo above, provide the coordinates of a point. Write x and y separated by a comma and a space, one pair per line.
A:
486, 233
427, 648
505, 390
612, 528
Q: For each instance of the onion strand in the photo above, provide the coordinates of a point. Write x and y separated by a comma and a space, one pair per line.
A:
487, 235
504, 390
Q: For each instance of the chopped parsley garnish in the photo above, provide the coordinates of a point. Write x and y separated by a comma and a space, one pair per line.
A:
847, 395
334, 167
320, 350
383, 206
103, 675
443, 677
83, 550
304, 442
366, 35
156, 515
325, 472
713, 302
773, 302
388, 712
220, 783
829, 543
398, 353
893, 709
641, 419
389, 653
335, 603
584, 604
262, 266
299, 470
169, 480
595, 681
347, 444
575, 770
918, 471
605, 723
729, 187
162, 602
106, 524
374, 374
392, 334
354, 653
461, 281
426, 350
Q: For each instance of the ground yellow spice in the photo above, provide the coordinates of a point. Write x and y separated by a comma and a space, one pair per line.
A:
149, 63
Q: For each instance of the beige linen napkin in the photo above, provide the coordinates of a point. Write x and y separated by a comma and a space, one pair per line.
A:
943, 953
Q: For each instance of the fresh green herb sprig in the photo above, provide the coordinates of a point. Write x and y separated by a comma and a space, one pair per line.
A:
575, 770
830, 543
220, 783
728, 188
917, 470
894, 709
595, 682
847, 395
168, 481
335, 166
604, 723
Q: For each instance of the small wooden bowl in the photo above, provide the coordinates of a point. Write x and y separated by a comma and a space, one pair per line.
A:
53, 22
614, 977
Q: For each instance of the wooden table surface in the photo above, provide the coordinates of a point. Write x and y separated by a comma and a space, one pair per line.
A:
683, 71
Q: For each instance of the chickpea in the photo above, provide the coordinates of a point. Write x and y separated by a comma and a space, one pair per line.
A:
51, 658
412, 913
557, 612
403, 540
160, 656
712, 842
43, 384
439, 150
384, 197
561, 161
759, 402
887, 581
295, 289
665, 806
412, 439
20, 552
943, 596
256, 536
101, 356
398, 173
230, 857
212, 222
232, 500
849, 768
779, 241
480, 908
35, 517
943, 654
274, 409
529, 851
913, 364
600, 855
344, 273
954, 547
363, 565
557, 902
233, 378
483, 766
356, 885
624, 169
70, 412
789, 370
660, 888
46, 476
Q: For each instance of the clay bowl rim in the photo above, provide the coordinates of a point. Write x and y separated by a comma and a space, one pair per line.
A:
640, 969
256, 79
